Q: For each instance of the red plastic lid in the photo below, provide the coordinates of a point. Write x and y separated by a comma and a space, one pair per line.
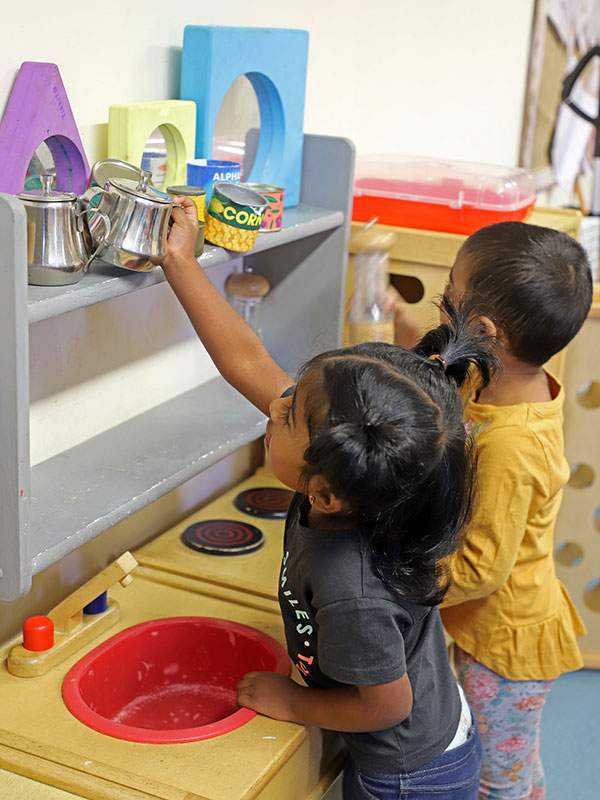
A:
38, 634
455, 184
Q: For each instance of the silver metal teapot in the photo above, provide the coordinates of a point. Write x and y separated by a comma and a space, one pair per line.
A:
57, 251
139, 215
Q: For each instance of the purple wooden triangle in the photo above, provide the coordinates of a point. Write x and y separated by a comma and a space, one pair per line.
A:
38, 110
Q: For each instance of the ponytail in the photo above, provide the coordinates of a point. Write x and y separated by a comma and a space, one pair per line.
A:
458, 345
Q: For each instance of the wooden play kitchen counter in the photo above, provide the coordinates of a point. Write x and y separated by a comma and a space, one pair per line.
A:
264, 759
249, 579
16, 787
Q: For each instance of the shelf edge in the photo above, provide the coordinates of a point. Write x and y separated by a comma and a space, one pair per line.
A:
50, 556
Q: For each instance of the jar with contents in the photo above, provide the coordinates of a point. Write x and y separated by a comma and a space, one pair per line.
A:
369, 320
245, 291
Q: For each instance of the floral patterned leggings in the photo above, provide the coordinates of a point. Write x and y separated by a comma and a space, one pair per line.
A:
509, 715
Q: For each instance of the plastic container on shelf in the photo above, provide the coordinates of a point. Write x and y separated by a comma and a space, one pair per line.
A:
432, 194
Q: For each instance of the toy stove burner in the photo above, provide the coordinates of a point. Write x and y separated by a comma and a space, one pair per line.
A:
264, 502
223, 537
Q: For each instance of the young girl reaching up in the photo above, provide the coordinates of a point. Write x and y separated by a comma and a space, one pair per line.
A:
372, 441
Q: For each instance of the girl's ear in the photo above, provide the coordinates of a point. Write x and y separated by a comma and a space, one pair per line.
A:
322, 498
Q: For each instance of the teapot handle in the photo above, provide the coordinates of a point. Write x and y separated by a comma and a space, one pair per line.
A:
99, 240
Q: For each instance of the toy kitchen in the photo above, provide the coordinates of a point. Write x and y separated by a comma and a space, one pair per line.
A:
125, 686
123, 645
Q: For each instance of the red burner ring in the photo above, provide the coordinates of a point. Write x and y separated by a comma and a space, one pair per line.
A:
223, 537
268, 502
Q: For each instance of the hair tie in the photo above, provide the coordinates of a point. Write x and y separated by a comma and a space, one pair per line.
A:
440, 359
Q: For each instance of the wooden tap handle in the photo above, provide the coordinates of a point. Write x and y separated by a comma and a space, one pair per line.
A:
68, 614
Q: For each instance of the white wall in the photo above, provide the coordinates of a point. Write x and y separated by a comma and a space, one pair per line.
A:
427, 76
431, 77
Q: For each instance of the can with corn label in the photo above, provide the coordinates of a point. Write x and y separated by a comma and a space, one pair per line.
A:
234, 217
273, 216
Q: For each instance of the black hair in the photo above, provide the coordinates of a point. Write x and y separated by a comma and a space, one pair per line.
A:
387, 434
534, 283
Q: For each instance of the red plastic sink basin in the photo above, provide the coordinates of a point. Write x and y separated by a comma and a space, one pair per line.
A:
170, 680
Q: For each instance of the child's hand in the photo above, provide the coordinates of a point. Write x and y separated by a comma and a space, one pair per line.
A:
406, 330
268, 693
181, 241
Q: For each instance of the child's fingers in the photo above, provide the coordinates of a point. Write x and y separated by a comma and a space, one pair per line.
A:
187, 205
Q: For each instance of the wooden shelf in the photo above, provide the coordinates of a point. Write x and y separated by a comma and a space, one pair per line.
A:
85, 490
104, 282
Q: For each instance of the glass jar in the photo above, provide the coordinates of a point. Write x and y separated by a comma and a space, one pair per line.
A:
369, 319
245, 292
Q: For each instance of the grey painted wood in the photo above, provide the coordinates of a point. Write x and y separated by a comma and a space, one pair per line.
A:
104, 282
82, 492
303, 314
85, 490
14, 402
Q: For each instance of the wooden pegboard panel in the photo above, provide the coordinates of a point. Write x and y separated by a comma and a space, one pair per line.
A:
578, 528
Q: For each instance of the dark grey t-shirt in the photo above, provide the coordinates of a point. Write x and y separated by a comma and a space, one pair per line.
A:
344, 626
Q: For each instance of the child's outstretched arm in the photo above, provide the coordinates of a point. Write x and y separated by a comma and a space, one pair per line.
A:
349, 709
237, 351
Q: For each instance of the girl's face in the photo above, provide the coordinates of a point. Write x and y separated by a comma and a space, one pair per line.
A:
287, 438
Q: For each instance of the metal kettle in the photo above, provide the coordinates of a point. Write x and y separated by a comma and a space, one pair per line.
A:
57, 252
139, 215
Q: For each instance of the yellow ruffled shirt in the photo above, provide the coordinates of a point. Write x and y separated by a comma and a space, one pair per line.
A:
506, 606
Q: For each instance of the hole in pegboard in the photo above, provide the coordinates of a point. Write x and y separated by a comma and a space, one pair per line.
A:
588, 394
569, 554
582, 476
411, 289
591, 595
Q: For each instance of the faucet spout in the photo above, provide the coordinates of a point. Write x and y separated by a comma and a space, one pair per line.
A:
68, 614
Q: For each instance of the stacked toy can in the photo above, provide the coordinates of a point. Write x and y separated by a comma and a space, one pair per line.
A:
198, 196
273, 217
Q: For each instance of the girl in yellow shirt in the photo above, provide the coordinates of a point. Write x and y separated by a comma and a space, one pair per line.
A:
512, 620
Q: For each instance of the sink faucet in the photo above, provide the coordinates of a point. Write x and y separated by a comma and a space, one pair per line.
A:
65, 630
68, 615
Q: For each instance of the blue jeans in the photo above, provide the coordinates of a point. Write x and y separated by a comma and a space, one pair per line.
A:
452, 776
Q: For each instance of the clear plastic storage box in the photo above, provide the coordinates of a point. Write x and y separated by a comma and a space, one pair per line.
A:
453, 196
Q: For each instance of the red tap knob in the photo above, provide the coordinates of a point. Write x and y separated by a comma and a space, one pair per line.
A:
38, 633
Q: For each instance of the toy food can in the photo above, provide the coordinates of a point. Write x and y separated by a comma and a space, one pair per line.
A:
199, 197
195, 193
234, 217
155, 162
207, 172
273, 216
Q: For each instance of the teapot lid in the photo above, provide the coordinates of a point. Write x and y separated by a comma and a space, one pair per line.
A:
141, 188
47, 194
110, 168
